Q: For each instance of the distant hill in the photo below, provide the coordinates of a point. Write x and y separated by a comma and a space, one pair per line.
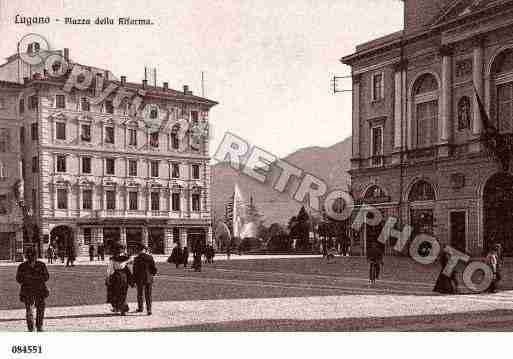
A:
329, 164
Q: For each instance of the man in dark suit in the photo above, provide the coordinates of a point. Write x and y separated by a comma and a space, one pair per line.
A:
144, 270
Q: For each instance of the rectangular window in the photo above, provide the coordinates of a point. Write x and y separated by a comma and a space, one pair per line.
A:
194, 117
132, 137
195, 171
175, 202
110, 197
174, 141
377, 87
85, 132
427, 117
33, 102
22, 135
35, 164
62, 198
4, 139
132, 201
84, 104
109, 166
60, 130
155, 201
377, 146
22, 106
86, 164
109, 135
4, 204
34, 131
175, 170
109, 108
88, 236
61, 163
132, 168
505, 107
154, 168
196, 202
87, 199
154, 139
60, 101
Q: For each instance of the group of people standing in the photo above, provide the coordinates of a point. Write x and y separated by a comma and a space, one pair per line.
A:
97, 251
120, 277
180, 256
63, 252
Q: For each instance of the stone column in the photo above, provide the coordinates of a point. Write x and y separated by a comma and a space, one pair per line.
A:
445, 123
183, 237
209, 235
19, 245
399, 109
99, 235
356, 121
168, 240
145, 236
122, 236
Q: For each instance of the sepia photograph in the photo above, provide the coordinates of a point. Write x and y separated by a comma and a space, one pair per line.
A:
235, 166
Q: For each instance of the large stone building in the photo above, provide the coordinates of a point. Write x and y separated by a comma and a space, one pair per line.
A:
94, 173
418, 152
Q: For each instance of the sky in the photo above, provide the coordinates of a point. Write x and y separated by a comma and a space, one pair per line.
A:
269, 64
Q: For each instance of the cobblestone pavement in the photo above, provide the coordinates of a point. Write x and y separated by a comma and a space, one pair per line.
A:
265, 294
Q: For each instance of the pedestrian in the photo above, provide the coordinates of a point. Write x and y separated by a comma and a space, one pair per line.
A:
101, 252
176, 256
33, 275
50, 253
197, 252
492, 259
185, 256
91, 253
119, 278
144, 270
375, 258
70, 253
228, 250
445, 284
210, 253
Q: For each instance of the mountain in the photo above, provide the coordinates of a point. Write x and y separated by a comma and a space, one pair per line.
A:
329, 164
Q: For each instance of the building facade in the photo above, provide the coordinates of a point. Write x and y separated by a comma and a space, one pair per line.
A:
418, 152
98, 174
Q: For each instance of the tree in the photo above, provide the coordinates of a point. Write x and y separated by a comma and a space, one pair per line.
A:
278, 238
301, 228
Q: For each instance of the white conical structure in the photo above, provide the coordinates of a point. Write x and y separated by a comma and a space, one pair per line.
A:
238, 212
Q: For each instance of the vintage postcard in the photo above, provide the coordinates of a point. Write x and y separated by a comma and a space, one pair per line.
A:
255, 166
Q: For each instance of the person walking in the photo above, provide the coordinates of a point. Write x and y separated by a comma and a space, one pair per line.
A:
70, 253
50, 254
32, 275
375, 258
197, 252
493, 259
176, 256
119, 277
91, 253
144, 271
445, 284
100, 252
185, 258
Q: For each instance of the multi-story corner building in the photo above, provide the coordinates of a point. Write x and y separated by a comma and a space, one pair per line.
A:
96, 174
417, 126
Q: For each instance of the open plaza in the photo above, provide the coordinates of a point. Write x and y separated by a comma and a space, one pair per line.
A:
266, 293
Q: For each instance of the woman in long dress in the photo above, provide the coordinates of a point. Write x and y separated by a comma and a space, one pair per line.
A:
119, 278
445, 284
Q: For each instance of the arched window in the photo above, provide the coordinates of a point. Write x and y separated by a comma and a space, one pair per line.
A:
502, 72
421, 191
425, 99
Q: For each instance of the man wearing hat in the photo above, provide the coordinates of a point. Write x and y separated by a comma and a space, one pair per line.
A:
144, 270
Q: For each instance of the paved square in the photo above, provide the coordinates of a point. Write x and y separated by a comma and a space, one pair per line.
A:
281, 294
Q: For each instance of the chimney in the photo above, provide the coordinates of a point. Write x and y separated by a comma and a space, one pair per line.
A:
186, 90
166, 86
25, 80
123, 80
144, 83
66, 54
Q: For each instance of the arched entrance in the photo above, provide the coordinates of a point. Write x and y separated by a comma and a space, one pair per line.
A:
61, 237
498, 212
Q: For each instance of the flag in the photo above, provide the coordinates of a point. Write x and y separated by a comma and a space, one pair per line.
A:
238, 211
498, 143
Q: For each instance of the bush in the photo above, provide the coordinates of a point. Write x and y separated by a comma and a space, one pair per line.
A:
279, 243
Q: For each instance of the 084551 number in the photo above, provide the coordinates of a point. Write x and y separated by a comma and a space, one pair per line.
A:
26, 349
